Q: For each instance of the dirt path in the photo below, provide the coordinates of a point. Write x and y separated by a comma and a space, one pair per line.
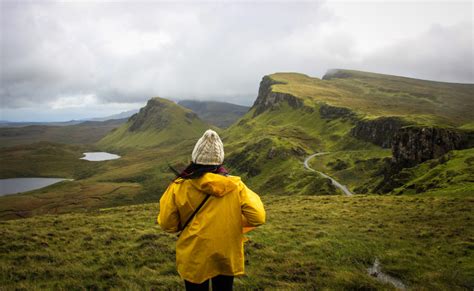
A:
334, 182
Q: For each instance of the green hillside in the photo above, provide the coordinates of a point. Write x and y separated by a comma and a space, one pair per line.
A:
220, 114
160, 122
308, 242
374, 95
296, 115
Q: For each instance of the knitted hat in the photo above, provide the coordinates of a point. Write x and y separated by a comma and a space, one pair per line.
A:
209, 149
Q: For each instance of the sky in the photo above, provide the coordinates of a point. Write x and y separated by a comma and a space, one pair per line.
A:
81, 59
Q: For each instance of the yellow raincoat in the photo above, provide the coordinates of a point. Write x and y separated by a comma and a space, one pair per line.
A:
212, 243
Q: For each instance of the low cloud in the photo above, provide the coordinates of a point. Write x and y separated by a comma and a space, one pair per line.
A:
54, 54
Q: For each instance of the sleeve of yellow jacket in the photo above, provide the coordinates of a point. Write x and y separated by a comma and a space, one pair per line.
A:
252, 207
168, 218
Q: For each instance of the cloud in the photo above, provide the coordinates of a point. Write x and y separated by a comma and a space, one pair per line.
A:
440, 53
58, 53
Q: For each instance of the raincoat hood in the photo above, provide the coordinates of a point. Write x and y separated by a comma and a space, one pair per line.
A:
215, 184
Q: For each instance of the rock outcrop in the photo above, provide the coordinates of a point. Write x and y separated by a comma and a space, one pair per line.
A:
332, 112
413, 145
268, 99
380, 131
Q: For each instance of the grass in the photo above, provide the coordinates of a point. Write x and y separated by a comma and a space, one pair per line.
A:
45, 159
308, 242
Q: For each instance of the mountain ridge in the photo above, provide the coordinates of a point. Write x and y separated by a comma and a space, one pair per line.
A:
161, 121
220, 114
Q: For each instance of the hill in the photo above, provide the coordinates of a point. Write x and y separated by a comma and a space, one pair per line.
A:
87, 132
220, 114
375, 95
380, 124
160, 122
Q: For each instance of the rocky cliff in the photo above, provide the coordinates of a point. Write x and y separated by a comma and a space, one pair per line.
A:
379, 131
267, 99
332, 112
413, 145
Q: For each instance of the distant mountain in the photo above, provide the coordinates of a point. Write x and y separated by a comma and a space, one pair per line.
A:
220, 114
160, 122
122, 115
6, 123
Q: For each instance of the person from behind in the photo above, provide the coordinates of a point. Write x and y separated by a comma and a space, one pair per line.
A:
211, 210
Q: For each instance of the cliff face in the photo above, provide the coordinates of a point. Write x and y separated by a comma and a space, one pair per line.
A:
414, 145
267, 99
378, 131
332, 112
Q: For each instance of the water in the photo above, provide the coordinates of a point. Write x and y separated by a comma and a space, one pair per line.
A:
18, 185
376, 271
99, 156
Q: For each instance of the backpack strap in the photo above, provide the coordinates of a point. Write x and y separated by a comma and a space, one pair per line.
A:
194, 213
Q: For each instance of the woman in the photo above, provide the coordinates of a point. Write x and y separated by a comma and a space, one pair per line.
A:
212, 210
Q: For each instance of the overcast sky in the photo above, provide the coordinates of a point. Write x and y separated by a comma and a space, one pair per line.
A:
79, 59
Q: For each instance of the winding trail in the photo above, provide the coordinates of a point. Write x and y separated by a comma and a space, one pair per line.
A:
334, 182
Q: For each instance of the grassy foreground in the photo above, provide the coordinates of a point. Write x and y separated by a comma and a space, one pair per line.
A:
324, 242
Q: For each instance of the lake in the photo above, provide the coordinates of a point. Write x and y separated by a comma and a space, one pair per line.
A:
99, 156
18, 185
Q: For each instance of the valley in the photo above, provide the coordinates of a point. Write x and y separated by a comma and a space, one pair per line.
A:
352, 168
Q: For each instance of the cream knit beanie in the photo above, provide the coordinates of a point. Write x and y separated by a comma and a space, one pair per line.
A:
209, 149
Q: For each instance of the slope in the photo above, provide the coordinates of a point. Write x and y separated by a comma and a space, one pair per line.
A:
160, 123
307, 243
374, 95
359, 117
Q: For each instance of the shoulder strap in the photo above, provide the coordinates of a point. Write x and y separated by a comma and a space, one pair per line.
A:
194, 213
